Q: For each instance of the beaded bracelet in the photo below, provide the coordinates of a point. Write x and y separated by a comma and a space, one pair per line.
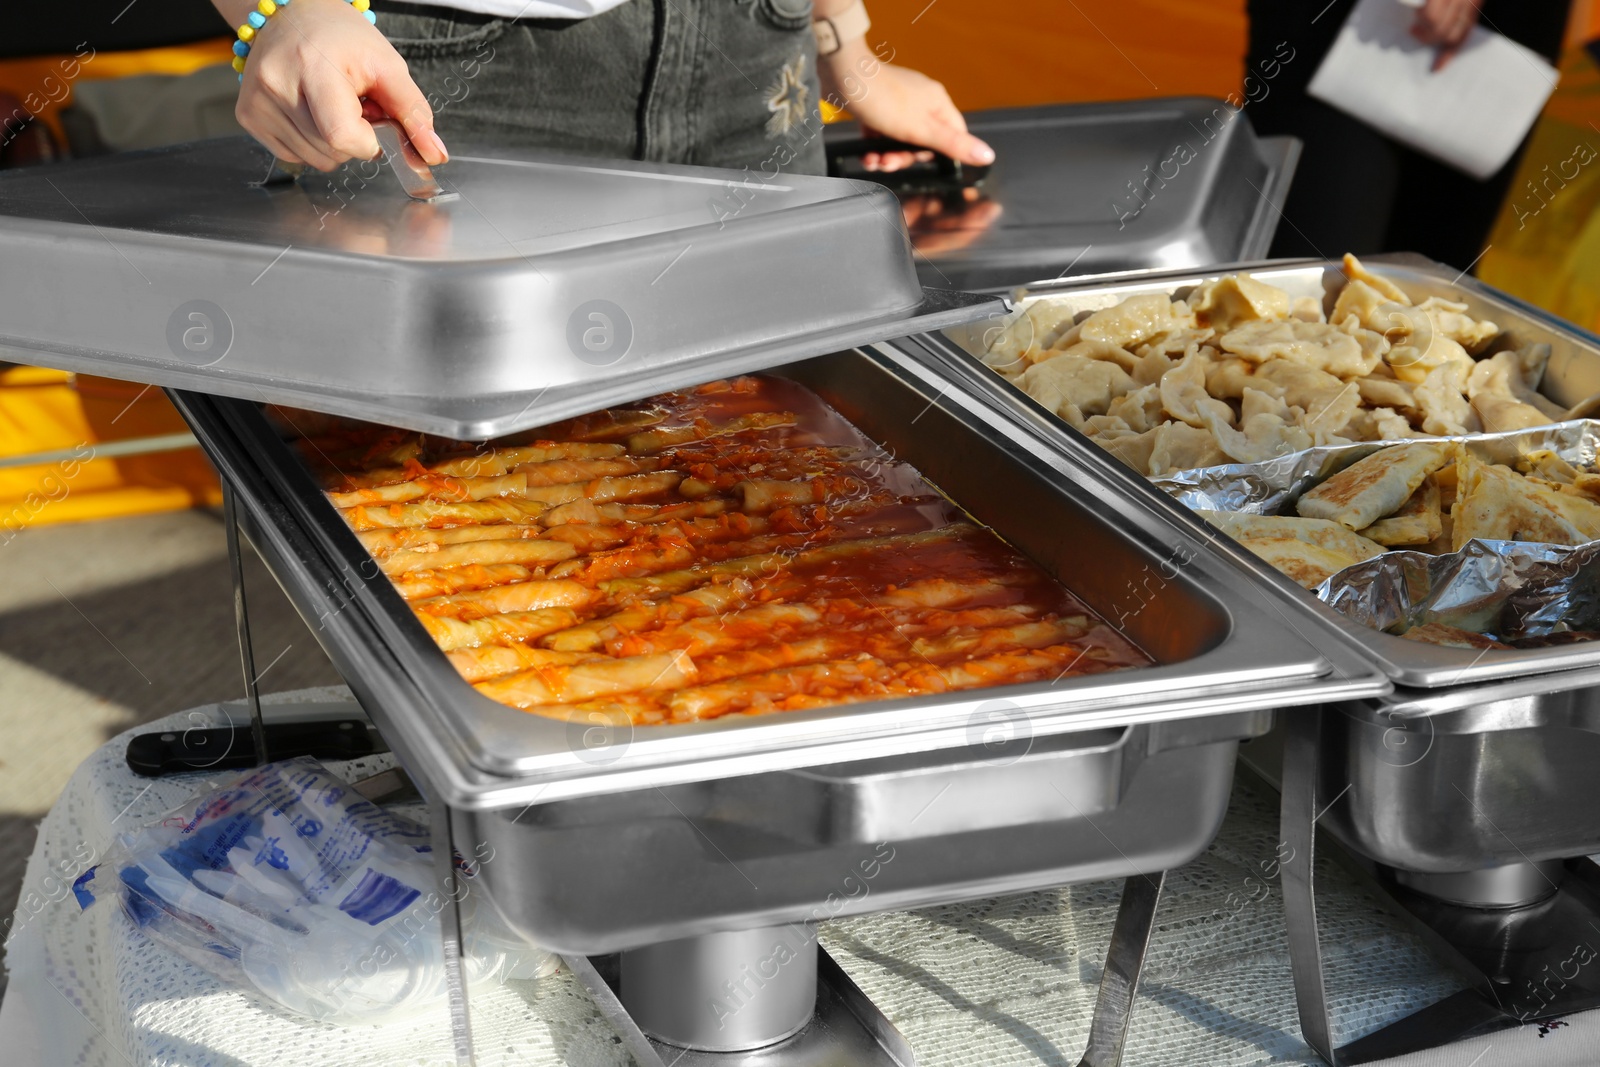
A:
265, 9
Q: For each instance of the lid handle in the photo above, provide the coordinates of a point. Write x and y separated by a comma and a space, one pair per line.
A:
409, 168
941, 175
415, 176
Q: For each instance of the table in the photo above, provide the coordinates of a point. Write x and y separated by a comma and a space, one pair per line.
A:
1001, 981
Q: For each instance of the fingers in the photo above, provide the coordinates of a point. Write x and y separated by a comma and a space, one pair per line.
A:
888, 162
1445, 24
304, 143
955, 142
335, 113
971, 150
268, 140
398, 95
947, 132
271, 115
304, 89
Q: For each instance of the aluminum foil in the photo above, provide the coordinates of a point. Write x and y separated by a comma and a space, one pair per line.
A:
1517, 592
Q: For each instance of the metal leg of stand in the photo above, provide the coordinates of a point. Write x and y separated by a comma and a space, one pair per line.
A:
1297, 817
453, 891
241, 622
1119, 985
606, 999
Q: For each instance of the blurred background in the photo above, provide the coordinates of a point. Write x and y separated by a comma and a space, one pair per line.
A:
115, 605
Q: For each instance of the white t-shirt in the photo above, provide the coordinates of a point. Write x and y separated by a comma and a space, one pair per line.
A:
531, 9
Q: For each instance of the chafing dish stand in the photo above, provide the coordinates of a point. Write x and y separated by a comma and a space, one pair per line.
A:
1521, 933
811, 1013
441, 302
1484, 847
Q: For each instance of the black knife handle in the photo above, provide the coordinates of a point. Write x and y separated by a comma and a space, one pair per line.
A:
232, 748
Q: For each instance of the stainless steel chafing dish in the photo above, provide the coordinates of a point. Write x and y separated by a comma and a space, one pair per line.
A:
1470, 784
691, 849
1083, 189
1573, 375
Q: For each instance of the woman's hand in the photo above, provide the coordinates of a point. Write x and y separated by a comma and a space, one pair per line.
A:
309, 69
1445, 24
898, 103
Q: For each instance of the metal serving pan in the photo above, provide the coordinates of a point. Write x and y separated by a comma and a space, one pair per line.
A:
538, 287
1468, 778
1085, 189
785, 847
1216, 650
1573, 375
754, 822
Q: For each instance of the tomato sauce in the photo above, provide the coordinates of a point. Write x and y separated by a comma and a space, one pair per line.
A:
766, 556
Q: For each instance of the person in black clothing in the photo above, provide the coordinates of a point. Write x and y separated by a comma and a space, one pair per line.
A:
1356, 190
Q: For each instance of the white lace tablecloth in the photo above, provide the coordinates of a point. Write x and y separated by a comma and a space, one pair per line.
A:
985, 983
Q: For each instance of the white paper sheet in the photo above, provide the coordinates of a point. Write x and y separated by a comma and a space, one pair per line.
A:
1471, 115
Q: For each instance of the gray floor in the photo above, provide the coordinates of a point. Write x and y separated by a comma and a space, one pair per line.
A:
109, 624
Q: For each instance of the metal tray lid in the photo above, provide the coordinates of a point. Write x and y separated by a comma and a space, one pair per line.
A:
1081, 189
538, 287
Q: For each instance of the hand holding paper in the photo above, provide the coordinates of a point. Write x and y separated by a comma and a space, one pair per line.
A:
1444, 24
1471, 113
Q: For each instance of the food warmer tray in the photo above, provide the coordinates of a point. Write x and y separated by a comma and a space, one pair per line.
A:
1215, 651
475, 316
1472, 808
1088, 189
1573, 375
1469, 791
666, 843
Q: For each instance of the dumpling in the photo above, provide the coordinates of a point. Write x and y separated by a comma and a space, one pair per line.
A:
1329, 404
1361, 300
1140, 409
1177, 342
1023, 336
1136, 321
1105, 426
1149, 368
1233, 299
1307, 309
1075, 387
1132, 449
1441, 396
1312, 344
1391, 425
1090, 350
1183, 393
1387, 392
1358, 273
1419, 351
1260, 437
1503, 388
1259, 402
1230, 376
1179, 446
1451, 320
